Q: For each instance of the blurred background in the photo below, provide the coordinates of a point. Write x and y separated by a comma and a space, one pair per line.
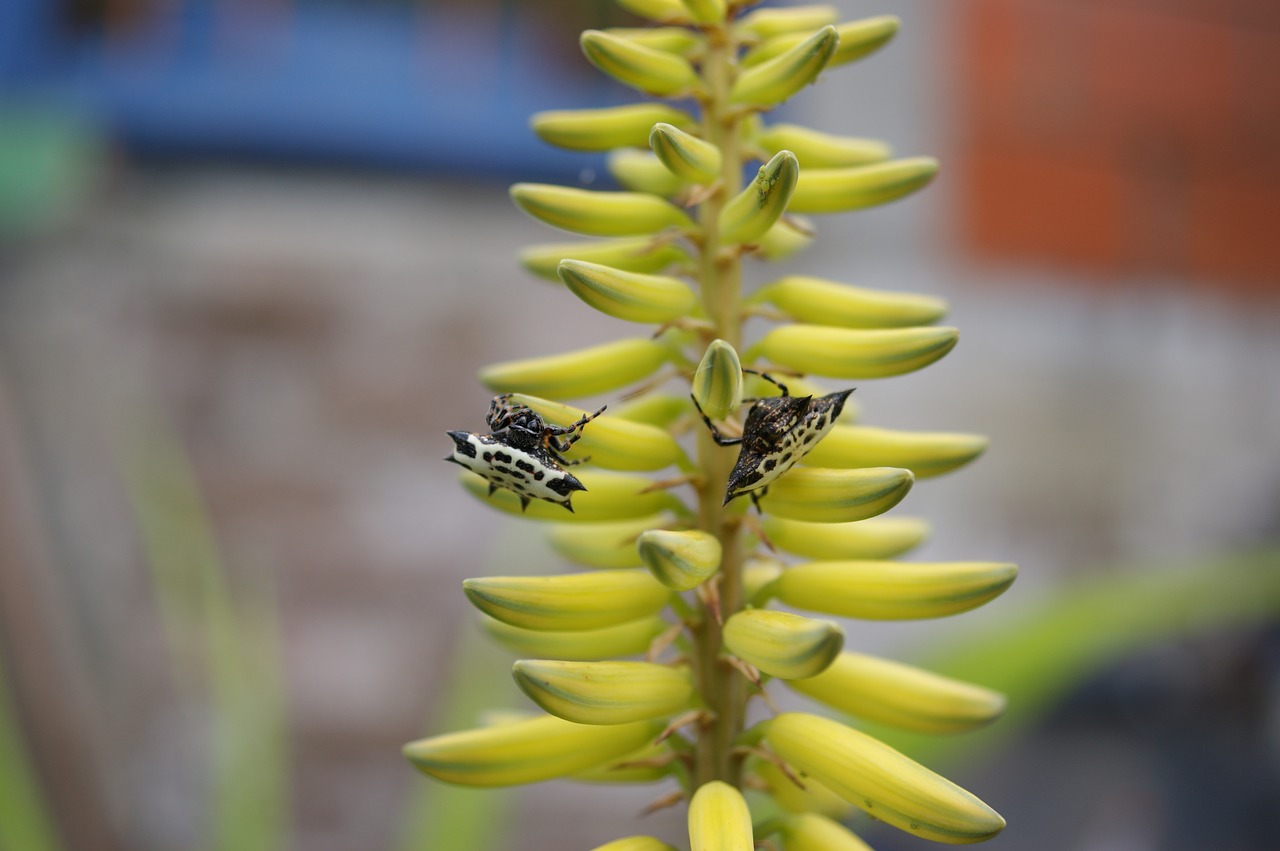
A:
253, 253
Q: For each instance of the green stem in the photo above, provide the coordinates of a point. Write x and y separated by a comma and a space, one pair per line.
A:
722, 688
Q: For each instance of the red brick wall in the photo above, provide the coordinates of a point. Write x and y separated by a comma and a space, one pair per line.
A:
1124, 137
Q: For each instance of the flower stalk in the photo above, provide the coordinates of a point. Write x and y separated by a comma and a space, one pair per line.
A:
785, 489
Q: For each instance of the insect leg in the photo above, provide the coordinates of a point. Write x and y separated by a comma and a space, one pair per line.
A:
769, 378
499, 416
574, 431
719, 438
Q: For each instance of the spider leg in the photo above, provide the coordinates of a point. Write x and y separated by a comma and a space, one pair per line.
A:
719, 438
756, 496
769, 378
574, 431
499, 416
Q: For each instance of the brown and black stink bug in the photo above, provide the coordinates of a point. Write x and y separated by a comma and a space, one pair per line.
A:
522, 453
780, 430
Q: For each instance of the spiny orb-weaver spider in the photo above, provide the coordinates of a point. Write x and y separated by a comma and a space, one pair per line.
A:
522, 453
779, 431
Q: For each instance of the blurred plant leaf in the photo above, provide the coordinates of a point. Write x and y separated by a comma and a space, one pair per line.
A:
232, 637
24, 819
1039, 656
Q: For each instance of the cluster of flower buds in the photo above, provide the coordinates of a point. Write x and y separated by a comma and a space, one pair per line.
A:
646, 658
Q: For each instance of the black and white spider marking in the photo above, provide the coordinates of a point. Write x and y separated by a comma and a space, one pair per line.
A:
780, 430
522, 453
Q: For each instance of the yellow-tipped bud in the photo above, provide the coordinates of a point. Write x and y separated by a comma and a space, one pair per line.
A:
880, 780
782, 644
644, 68
757, 576
815, 149
656, 409
789, 235
812, 798
570, 602
684, 154
773, 81
750, 214
594, 213
901, 695
719, 819
608, 496
604, 692
607, 128
824, 302
814, 832
679, 560
628, 295
706, 11
648, 765
662, 11
857, 39
877, 538
525, 751
893, 590
923, 453
632, 254
585, 372
773, 22
635, 843
854, 352
678, 40
840, 190
608, 546
585, 645
820, 495
717, 385
642, 171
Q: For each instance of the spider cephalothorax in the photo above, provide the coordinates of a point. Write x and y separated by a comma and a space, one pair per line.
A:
779, 431
522, 453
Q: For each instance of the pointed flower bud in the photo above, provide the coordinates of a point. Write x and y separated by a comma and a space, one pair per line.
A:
678, 40
642, 171
719, 819
609, 546
822, 150
679, 560
840, 190
684, 154
594, 213
706, 11
854, 352
635, 843
892, 590
880, 780
772, 22
814, 832
771, 82
877, 538
628, 295
901, 695
569, 602
585, 645
606, 128
824, 302
923, 453
644, 68
525, 751
753, 211
782, 644
820, 495
789, 235
604, 692
585, 372
606, 496
857, 39
662, 11
632, 254
717, 385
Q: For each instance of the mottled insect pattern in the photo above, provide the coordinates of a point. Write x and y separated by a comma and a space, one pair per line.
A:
522, 453
779, 431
